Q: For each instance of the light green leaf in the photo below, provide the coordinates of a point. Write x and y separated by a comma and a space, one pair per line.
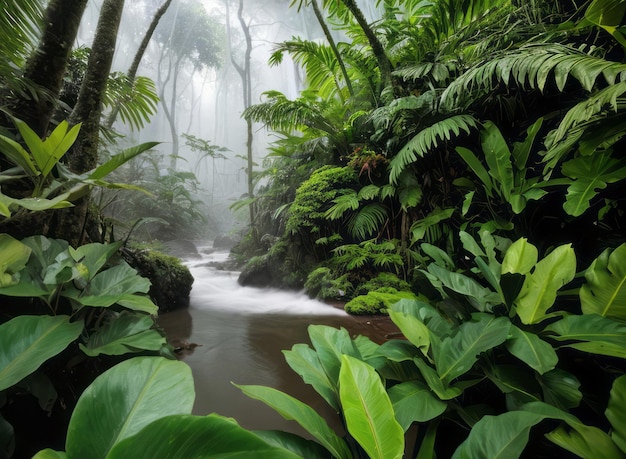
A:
435, 383
615, 412
414, 402
368, 411
293, 409
412, 328
520, 257
498, 437
331, 343
458, 353
57, 144
14, 256
474, 163
50, 454
94, 256
304, 448
532, 350
119, 159
498, 157
28, 341
18, 155
591, 333
123, 334
123, 400
305, 361
605, 290
539, 290
193, 437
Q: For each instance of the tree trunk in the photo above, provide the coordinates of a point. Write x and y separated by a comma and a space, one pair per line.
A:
132, 70
88, 110
46, 66
378, 49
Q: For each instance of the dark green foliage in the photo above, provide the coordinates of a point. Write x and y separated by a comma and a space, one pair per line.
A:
377, 301
322, 284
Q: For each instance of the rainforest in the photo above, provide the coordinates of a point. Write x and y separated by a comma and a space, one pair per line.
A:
453, 167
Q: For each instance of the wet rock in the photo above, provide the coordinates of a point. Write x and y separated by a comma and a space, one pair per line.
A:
224, 241
256, 273
181, 248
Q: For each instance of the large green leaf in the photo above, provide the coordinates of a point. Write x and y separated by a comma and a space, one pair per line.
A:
94, 256
615, 412
194, 437
520, 257
331, 343
304, 448
119, 159
435, 383
293, 409
123, 334
50, 454
605, 290
28, 341
561, 389
305, 361
457, 354
412, 328
414, 402
14, 256
477, 166
591, 333
498, 158
590, 173
368, 412
540, 288
123, 400
498, 437
532, 350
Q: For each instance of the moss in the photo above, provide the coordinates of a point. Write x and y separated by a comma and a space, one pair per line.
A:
377, 301
380, 281
322, 285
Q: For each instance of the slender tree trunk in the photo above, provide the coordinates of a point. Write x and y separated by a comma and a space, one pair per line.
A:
333, 45
46, 66
132, 70
88, 110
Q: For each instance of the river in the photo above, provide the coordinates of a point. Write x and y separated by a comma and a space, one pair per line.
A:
240, 333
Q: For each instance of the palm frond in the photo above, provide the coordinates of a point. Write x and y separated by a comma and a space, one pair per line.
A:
368, 220
427, 139
136, 102
533, 67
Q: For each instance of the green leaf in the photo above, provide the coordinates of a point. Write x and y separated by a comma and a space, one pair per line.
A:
532, 350
412, 328
521, 150
305, 361
474, 163
18, 155
50, 454
539, 290
560, 389
14, 258
194, 437
435, 383
293, 409
304, 448
368, 411
590, 173
34, 143
123, 400
457, 354
28, 341
94, 256
591, 333
605, 290
520, 257
123, 334
498, 437
414, 402
58, 144
119, 159
498, 157
615, 412
481, 298
331, 344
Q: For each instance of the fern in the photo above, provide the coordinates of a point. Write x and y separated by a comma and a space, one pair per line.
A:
369, 192
347, 200
367, 221
427, 139
532, 66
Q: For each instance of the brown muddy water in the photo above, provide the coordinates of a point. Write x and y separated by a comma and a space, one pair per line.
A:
240, 333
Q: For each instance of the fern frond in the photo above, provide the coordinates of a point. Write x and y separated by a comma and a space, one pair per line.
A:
348, 200
369, 192
368, 220
533, 66
427, 139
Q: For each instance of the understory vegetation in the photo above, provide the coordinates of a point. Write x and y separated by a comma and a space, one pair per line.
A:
455, 164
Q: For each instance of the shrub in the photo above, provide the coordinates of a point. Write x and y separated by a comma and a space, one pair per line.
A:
377, 301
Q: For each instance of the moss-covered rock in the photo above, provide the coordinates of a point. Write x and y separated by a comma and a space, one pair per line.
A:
171, 280
377, 301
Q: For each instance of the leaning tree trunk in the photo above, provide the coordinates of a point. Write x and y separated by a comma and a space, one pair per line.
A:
88, 110
46, 66
132, 70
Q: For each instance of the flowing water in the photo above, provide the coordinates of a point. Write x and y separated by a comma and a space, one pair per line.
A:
240, 333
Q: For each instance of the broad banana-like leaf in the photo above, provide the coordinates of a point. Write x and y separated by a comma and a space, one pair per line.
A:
119, 159
94, 256
194, 437
532, 350
123, 400
436, 385
368, 412
561, 389
540, 288
457, 354
304, 448
123, 334
293, 409
615, 412
14, 256
413, 401
605, 290
519, 258
498, 158
608, 14
498, 437
18, 155
331, 343
28, 341
591, 333
305, 361
412, 328
477, 166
